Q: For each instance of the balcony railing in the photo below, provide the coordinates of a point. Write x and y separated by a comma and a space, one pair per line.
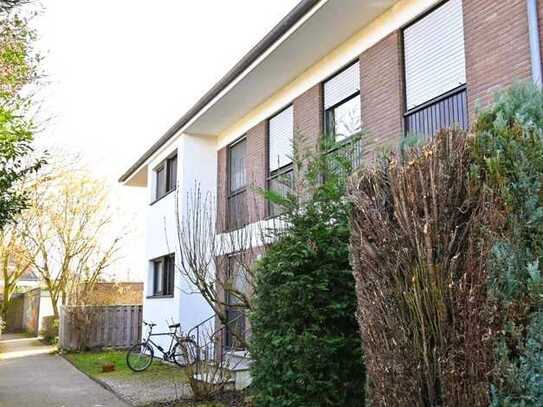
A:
445, 111
281, 182
238, 213
348, 153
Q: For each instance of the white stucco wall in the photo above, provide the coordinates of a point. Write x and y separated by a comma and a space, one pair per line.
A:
46, 308
196, 163
160, 241
198, 170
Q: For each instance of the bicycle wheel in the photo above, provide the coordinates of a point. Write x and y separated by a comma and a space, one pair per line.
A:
183, 353
139, 357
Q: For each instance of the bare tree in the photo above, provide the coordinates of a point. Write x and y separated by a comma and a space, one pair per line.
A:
219, 265
13, 263
70, 238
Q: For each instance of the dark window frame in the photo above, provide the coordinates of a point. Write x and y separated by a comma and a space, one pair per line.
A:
231, 194
168, 276
285, 170
170, 177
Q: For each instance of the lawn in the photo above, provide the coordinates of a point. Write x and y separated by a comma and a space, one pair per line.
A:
145, 388
91, 363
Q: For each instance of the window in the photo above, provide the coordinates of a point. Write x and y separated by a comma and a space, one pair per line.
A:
237, 178
163, 276
166, 177
280, 151
342, 105
435, 70
281, 132
235, 331
343, 115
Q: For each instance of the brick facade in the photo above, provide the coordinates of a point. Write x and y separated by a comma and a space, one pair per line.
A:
381, 91
256, 170
308, 118
497, 48
497, 53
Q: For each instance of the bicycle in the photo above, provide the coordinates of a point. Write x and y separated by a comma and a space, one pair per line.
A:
141, 355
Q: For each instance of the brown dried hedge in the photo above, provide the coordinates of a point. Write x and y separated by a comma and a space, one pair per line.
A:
419, 243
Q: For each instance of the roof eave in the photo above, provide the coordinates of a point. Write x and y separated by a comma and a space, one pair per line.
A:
292, 18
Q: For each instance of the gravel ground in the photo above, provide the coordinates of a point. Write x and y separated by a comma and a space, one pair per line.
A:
142, 392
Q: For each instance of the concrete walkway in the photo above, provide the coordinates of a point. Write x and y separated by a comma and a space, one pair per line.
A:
30, 376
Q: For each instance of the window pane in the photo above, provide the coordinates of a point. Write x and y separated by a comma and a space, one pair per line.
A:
160, 182
434, 54
237, 165
341, 86
345, 120
159, 277
169, 276
172, 173
281, 130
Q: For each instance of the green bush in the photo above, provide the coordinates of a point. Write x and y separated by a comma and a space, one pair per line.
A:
508, 160
49, 331
305, 342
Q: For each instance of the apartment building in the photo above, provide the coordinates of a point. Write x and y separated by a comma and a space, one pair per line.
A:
333, 67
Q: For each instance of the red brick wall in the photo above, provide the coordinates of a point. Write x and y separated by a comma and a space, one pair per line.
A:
308, 117
256, 170
381, 91
222, 185
497, 47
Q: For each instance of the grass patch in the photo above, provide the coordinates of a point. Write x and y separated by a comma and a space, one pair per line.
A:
91, 363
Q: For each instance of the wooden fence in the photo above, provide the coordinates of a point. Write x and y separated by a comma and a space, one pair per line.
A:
89, 327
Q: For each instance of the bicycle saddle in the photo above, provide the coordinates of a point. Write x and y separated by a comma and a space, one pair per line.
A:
175, 325
149, 323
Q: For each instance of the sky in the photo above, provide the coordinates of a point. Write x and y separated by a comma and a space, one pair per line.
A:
119, 73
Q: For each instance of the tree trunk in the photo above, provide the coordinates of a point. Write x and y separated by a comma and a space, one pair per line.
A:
6, 301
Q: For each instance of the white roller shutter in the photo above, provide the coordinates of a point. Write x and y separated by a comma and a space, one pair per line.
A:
281, 131
434, 54
341, 86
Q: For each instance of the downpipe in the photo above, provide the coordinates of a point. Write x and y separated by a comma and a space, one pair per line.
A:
535, 45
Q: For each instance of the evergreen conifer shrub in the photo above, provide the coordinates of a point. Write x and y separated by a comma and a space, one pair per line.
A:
508, 160
305, 341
